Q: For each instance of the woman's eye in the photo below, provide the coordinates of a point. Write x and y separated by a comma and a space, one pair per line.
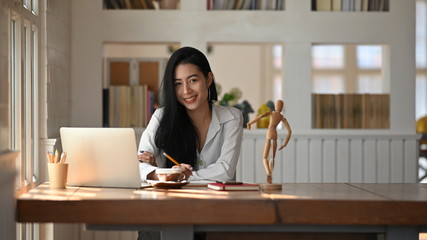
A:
193, 80
176, 84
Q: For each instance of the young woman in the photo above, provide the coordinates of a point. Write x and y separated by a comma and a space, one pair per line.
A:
204, 138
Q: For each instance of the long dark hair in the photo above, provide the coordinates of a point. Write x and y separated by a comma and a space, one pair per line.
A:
177, 134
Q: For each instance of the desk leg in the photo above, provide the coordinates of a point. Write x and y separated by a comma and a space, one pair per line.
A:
402, 233
176, 232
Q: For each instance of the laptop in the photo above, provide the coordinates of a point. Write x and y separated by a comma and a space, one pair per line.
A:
101, 157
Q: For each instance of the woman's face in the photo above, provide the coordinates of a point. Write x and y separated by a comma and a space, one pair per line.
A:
191, 86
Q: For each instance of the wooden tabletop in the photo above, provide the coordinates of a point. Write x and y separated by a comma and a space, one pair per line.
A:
300, 203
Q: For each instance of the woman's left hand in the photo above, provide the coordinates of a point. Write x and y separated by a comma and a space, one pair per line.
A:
147, 157
187, 170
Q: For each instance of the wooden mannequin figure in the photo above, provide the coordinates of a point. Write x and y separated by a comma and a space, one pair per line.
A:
271, 140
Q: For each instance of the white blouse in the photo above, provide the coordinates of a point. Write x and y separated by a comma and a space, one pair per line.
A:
218, 159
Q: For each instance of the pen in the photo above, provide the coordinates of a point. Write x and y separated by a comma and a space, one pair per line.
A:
170, 158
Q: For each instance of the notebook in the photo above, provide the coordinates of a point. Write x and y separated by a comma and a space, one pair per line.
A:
101, 157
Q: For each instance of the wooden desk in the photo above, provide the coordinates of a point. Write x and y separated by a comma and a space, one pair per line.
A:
399, 210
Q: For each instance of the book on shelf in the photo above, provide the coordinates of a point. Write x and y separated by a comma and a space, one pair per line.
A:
112, 4
230, 4
378, 5
323, 5
365, 5
358, 5
105, 107
139, 4
233, 186
385, 6
347, 5
130, 106
280, 5
150, 4
128, 4
336, 5
246, 5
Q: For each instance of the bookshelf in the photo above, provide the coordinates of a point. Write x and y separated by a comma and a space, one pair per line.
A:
140, 4
130, 91
350, 5
269, 5
211, 4
297, 27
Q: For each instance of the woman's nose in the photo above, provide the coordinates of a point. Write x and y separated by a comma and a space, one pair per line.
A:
186, 88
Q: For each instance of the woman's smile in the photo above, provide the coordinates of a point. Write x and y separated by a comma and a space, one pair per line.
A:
191, 99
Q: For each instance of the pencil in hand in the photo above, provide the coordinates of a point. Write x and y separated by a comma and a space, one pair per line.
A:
170, 158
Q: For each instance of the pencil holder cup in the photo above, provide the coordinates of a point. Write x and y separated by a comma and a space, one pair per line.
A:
58, 174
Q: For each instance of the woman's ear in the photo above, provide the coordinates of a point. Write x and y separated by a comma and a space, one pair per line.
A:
210, 79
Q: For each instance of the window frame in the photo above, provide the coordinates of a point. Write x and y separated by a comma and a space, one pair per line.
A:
24, 92
350, 72
421, 71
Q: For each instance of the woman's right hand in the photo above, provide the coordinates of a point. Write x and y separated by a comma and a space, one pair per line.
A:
187, 170
147, 157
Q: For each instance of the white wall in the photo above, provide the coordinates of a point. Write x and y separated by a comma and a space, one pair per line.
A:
136, 50
86, 46
4, 76
240, 65
58, 67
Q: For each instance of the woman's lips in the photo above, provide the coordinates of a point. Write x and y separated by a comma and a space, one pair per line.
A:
190, 99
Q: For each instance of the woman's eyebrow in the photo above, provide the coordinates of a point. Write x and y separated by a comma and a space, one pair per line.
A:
192, 75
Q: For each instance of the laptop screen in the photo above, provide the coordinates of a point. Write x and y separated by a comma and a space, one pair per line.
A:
101, 157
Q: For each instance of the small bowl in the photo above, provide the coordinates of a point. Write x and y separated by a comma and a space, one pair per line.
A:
168, 174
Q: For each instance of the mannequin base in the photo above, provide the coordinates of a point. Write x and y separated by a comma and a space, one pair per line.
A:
271, 186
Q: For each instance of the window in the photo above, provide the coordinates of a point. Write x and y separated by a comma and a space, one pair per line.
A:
421, 59
15, 91
277, 51
348, 87
24, 91
347, 69
23, 83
